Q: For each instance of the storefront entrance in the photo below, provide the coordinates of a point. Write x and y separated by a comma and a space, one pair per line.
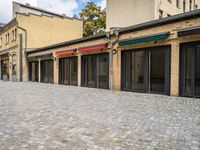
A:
190, 69
146, 70
68, 71
47, 71
95, 71
5, 69
33, 71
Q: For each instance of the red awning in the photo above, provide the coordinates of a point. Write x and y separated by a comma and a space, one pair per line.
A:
93, 48
69, 52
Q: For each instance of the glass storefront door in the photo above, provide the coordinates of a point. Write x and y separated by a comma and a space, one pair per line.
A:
34, 71
95, 71
47, 71
68, 71
190, 69
146, 70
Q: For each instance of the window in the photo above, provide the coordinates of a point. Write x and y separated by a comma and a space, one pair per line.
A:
14, 34
1, 41
190, 5
160, 14
196, 7
168, 15
170, 1
183, 5
177, 4
7, 38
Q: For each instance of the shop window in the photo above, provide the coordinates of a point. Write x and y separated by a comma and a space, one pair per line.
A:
1, 42
160, 14
183, 5
177, 4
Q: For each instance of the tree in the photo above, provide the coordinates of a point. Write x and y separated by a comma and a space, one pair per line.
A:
94, 20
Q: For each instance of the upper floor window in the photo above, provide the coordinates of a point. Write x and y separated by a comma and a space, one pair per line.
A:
160, 14
196, 7
190, 5
14, 34
183, 5
178, 3
7, 38
1, 41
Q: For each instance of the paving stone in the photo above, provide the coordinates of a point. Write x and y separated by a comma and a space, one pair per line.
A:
46, 116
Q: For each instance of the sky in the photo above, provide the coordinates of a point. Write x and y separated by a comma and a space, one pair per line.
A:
68, 7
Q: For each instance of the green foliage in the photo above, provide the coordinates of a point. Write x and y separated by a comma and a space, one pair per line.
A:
94, 20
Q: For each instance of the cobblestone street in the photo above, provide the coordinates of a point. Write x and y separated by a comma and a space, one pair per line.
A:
46, 116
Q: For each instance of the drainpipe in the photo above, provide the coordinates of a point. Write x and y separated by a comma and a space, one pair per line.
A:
21, 53
111, 43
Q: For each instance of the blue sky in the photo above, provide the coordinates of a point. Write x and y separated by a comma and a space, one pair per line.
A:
68, 7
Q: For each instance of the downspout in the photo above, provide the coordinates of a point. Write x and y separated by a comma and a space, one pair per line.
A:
112, 43
21, 53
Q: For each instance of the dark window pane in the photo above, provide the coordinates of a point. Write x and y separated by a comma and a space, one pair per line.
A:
102, 73
91, 71
74, 71
157, 72
138, 71
127, 65
197, 73
188, 71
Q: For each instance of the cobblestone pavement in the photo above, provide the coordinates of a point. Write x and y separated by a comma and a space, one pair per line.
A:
45, 116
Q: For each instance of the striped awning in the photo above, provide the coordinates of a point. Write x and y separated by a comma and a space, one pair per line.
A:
188, 31
144, 39
93, 48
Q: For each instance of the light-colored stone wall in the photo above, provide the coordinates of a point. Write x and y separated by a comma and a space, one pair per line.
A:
130, 12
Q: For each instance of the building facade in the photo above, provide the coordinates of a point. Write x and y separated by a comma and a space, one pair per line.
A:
160, 56
131, 12
28, 31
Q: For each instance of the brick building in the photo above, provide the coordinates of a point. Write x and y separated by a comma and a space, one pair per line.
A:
161, 56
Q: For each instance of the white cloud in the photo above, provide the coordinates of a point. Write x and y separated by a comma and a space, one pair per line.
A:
102, 3
59, 6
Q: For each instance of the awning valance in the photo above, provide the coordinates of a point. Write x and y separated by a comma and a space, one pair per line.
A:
188, 31
41, 56
93, 48
68, 52
143, 39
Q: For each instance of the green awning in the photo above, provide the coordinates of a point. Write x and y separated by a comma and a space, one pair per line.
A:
144, 39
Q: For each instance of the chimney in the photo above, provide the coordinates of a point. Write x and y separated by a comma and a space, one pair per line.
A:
27, 4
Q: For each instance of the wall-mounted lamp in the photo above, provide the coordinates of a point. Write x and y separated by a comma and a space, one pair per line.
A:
114, 51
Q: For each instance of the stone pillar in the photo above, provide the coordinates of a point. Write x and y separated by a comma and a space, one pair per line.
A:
175, 52
56, 70
117, 70
79, 70
39, 70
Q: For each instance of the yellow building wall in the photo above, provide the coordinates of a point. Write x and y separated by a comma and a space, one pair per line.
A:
45, 30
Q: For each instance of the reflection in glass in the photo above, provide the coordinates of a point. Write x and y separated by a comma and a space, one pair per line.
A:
188, 71
74, 71
103, 71
138, 71
127, 61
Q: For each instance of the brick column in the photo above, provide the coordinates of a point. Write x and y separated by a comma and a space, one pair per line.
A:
55, 70
79, 69
117, 70
175, 52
